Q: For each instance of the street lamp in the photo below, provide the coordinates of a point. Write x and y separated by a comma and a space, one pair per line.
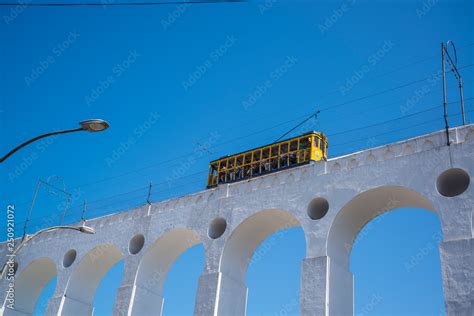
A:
93, 125
83, 229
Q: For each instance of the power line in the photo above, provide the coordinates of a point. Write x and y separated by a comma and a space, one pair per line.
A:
264, 130
382, 92
71, 214
142, 189
385, 133
391, 120
258, 132
95, 203
399, 129
432, 57
121, 3
385, 122
141, 196
219, 145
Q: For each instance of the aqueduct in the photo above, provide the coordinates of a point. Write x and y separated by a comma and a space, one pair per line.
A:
331, 201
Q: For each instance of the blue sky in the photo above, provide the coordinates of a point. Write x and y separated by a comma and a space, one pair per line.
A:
182, 85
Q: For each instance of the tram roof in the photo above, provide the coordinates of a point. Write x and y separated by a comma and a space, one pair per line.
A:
278, 142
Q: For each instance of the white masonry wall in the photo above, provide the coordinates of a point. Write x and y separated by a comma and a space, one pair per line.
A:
354, 189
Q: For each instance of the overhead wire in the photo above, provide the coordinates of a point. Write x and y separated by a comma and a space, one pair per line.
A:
135, 171
173, 160
102, 4
275, 126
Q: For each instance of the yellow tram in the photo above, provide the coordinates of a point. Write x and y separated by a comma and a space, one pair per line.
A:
280, 155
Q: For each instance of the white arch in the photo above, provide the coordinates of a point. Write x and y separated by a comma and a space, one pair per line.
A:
154, 267
29, 285
362, 209
82, 285
238, 251
248, 235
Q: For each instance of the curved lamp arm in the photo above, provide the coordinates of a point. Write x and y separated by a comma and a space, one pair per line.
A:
35, 139
93, 125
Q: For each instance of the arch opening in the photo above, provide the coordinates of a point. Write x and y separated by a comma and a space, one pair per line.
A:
353, 224
248, 236
396, 259
363, 208
238, 252
154, 268
43, 300
85, 279
30, 284
273, 276
106, 293
180, 287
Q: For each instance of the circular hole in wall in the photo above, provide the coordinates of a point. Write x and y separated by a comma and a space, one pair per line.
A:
452, 182
69, 258
217, 228
318, 208
136, 244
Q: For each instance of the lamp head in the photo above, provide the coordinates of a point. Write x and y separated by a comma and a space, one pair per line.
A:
94, 125
87, 230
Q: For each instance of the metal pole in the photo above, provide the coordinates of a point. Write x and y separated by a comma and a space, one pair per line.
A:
457, 75
444, 95
83, 216
462, 102
63, 214
148, 201
31, 208
315, 115
68, 195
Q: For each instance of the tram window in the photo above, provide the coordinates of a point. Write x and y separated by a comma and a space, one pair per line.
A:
293, 155
222, 171
304, 148
304, 142
213, 174
248, 158
246, 171
266, 153
240, 159
230, 175
293, 158
223, 164
274, 163
294, 145
231, 164
255, 168
256, 155
275, 151
238, 167
317, 142
284, 155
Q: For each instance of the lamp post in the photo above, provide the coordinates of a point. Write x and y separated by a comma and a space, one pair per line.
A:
92, 126
83, 229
